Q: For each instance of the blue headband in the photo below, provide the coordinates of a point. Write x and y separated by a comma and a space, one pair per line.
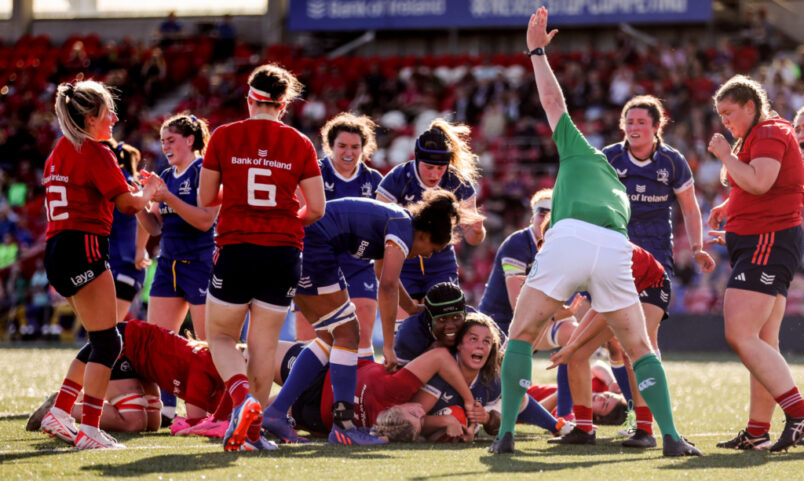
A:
435, 157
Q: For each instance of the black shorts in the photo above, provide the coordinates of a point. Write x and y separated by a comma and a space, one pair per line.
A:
765, 262
289, 359
73, 259
267, 275
659, 295
306, 410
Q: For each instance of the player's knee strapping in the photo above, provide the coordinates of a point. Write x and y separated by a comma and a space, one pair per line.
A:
153, 403
552, 336
338, 317
106, 346
130, 403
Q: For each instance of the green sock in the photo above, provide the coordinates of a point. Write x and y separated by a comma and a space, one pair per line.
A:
516, 367
652, 384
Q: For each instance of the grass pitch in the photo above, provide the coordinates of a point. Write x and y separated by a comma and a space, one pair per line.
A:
709, 392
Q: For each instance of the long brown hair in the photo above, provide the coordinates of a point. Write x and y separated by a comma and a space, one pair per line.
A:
491, 369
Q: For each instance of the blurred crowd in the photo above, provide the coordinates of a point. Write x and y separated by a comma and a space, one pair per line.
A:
205, 74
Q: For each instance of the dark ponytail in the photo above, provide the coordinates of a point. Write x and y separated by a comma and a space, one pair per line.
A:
437, 214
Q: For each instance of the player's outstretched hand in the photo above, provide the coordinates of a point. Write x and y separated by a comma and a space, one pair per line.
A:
562, 356
537, 30
390, 361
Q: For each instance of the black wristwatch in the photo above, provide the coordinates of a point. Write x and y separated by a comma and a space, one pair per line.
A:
535, 51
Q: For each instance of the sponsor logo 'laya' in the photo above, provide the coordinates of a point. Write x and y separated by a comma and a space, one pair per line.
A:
82, 279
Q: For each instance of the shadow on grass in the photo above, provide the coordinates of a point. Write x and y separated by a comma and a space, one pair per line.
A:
206, 461
13, 417
736, 460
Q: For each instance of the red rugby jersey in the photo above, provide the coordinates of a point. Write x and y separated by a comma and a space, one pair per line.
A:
780, 207
175, 364
80, 187
377, 390
261, 163
647, 271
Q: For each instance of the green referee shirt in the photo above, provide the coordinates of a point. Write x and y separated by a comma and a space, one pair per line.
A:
587, 187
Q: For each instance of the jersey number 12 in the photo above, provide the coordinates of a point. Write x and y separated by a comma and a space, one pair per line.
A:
54, 204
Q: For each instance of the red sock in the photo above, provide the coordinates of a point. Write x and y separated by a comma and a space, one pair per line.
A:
791, 403
237, 386
67, 395
224, 408
583, 418
91, 411
644, 419
756, 428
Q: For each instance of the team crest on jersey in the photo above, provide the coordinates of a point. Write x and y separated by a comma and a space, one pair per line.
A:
329, 187
663, 176
366, 190
533, 269
185, 188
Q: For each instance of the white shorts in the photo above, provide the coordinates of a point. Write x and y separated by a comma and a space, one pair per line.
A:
579, 256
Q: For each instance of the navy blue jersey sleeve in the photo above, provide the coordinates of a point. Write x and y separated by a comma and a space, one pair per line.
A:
393, 184
683, 179
410, 340
376, 179
399, 230
514, 256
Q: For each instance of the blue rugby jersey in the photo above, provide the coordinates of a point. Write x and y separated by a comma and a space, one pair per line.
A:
488, 394
360, 227
362, 184
180, 240
652, 186
123, 237
403, 186
414, 337
514, 258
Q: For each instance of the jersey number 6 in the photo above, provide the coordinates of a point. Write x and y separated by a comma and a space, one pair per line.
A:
52, 205
254, 187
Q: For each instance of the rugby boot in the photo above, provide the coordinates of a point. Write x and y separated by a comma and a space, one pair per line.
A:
503, 445
260, 444
60, 424
791, 435
242, 417
576, 436
280, 425
354, 436
745, 441
682, 447
640, 439
93, 438
35, 420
